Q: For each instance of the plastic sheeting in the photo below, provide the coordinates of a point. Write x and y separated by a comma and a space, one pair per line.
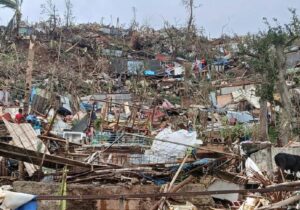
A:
178, 69
32, 205
149, 73
251, 167
189, 166
18, 201
242, 117
66, 103
166, 152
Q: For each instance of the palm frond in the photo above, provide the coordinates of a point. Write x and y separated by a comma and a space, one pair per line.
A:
13, 4
10, 25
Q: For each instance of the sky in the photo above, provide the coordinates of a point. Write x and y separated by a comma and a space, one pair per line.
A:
214, 16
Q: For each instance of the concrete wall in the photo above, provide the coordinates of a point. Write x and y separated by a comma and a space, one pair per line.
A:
265, 158
224, 185
292, 59
38, 188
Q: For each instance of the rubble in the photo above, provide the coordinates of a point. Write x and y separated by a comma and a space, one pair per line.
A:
139, 120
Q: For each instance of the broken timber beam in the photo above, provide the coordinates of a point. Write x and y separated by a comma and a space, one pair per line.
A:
168, 195
282, 203
58, 140
50, 161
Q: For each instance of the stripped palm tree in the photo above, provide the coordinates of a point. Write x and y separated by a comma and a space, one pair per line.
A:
16, 19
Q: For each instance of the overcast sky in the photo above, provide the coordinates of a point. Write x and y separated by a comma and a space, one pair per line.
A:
233, 16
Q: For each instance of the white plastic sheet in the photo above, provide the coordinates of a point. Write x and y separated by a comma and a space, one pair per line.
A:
251, 167
169, 145
13, 200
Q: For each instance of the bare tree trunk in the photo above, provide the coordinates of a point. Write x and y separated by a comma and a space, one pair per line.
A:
263, 120
18, 21
287, 112
28, 82
191, 5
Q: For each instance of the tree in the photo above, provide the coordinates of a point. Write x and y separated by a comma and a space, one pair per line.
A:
49, 9
190, 5
16, 6
266, 52
69, 18
174, 38
191, 32
256, 48
282, 38
134, 23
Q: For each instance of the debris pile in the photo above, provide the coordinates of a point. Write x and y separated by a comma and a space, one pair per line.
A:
108, 107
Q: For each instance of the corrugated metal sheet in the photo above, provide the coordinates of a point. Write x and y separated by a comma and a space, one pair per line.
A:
82, 124
228, 90
24, 136
123, 65
119, 65
248, 95
135, 67
4, 97
213, 98
40, 104
153, 64
115, 53
248, 87
115, 98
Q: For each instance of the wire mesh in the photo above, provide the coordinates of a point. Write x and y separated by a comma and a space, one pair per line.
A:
155, 151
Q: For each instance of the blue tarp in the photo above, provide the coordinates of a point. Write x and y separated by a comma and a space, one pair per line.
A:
86, 106
189, 166
221, 62
186, 167
156, 181
33, 93
32, 205
32, 118
149, 73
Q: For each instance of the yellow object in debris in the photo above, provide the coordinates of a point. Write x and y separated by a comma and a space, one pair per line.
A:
276, 96
63, 189
250, 203
187, 206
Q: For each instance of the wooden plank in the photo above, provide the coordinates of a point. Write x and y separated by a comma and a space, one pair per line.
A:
59, 140
32, 157
224, 100
24, 136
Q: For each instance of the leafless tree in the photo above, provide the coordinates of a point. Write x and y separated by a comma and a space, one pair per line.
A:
50, 9
134, 23
190, 6
69, 18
